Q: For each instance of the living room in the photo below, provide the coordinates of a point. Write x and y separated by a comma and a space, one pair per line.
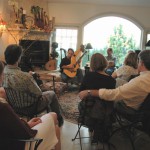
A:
65, 14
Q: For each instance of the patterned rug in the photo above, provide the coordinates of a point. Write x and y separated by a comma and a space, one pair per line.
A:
69, 105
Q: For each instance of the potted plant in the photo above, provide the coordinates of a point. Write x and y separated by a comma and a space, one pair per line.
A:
54, 54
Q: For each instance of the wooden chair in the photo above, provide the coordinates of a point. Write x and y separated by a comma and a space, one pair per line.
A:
23, 103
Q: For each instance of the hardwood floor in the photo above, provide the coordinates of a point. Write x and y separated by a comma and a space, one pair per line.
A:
120, 140
68, 132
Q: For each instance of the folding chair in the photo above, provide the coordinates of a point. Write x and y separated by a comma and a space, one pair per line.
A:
131, 119
81, 123
37, 142
90, 104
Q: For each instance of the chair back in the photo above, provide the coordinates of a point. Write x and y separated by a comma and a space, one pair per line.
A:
23, 103
96, 108
145, 117
145, 106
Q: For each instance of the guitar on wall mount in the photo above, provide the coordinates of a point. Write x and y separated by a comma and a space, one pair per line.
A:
75, 62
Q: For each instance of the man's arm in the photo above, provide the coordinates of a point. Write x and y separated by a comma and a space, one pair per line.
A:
32, 85
63, 65
129, 90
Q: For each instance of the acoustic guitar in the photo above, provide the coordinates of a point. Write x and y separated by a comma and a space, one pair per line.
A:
74, 61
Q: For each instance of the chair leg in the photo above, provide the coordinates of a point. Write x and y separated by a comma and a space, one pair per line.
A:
78, 132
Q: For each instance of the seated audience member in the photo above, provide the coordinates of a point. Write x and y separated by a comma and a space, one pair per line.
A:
13, 127
111, 61
66, 64
130, 51
97, 79
23, 81
131, 94
129, 68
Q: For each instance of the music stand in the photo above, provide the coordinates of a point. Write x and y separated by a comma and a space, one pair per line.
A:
88, 47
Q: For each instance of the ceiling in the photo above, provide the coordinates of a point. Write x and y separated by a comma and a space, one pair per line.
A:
108, 2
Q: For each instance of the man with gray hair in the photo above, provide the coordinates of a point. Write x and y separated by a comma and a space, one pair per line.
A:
23, 81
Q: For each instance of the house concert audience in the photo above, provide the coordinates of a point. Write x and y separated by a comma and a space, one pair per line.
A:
23, 81
132, 94
12, 127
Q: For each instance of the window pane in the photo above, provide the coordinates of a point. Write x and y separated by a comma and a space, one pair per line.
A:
66, 38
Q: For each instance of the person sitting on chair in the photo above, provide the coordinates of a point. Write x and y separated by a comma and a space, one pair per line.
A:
111, 61
66, 64
23, 81
97, 79
132, 94
123, 73
45, 127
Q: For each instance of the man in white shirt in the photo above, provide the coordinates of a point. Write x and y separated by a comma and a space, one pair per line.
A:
132, 93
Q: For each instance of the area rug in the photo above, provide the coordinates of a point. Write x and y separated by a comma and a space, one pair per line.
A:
69, 105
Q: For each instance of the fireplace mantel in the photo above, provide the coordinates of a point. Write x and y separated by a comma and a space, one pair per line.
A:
26, 34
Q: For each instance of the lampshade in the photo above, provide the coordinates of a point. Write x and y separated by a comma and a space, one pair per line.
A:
148, 43
89, 46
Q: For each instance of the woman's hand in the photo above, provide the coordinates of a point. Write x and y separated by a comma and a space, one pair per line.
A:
83, 94
34, 121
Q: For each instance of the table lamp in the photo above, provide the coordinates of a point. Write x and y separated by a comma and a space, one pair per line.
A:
88, 47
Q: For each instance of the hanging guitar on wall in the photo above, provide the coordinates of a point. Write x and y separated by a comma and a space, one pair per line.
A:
52, 63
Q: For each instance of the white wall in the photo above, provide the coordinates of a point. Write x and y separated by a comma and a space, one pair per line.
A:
80, 14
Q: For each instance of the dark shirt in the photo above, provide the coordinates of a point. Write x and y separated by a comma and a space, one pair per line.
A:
94, 80
11, 127
65, 61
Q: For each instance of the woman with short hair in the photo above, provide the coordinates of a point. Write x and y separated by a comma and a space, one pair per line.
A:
129, 68
100, 111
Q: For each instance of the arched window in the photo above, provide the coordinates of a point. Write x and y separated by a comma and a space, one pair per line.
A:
118, 33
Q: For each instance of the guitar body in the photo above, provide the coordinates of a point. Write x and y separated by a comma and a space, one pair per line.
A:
70, 73
51, 65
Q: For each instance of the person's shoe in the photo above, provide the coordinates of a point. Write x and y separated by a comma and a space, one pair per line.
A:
60, 121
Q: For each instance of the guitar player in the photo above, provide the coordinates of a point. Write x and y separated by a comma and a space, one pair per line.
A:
66, 65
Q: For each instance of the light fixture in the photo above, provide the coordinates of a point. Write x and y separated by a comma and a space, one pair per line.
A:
2, 26
88, 47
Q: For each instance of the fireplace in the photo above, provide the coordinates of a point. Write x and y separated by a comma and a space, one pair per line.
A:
35, 53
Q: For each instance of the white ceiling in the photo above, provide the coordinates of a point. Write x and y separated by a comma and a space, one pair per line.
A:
107, 2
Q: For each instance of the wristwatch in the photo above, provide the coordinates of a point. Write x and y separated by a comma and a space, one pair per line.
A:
89, 92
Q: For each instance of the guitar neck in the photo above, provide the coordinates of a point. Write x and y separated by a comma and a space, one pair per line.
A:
81, 57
